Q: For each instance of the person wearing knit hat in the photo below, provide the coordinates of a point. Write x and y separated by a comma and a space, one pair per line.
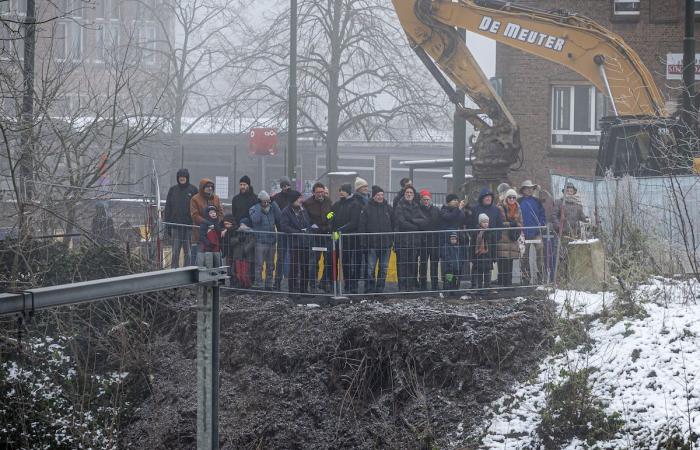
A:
284, 182
362, 190
377, 219
501, 191
240, 208
508, 246
360, 183
296, 220
425, 194
264, 216
484, 254
346, 187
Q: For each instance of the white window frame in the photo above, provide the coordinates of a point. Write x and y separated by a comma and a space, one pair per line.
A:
625, 13
69, 40
697, 8
147, 48
103, 27
592, 116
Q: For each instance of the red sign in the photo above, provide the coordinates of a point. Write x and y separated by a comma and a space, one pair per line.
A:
263, 141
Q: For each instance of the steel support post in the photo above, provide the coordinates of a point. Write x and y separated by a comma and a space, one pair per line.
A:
208, 363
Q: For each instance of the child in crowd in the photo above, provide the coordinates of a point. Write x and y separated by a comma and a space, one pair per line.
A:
209, 237
452, 255
484, 250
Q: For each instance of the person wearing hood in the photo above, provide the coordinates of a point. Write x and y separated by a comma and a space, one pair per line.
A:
508, 247
486, 205
429, 250
177, 217
345, 219
566, 221
204, 198
533, 217
377, 218
407, 218
295, 220
265, 218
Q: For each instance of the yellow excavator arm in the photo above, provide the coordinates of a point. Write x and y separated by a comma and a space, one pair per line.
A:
597, 54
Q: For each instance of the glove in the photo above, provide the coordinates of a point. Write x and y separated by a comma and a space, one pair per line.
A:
336, 235
304, 230
449, 277
330, 215
314, 227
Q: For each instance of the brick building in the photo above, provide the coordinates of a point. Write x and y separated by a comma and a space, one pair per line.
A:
557, 109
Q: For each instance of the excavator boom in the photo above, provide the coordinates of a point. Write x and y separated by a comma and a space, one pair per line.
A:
574, 41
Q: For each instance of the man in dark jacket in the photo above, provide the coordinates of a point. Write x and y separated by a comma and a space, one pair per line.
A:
282, 199
377, 217
346, 220
240, 209
407, 218
487, 206
318, 206
177, 217
404, 183
295, 220
244, 200
533, 216
430, 245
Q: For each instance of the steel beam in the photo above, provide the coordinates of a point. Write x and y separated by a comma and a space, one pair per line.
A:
88, 291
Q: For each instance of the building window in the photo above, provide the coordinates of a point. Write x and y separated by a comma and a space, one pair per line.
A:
697, 8
13, 8
626, 7
11, 41
145, 38
107, 40
68, 41
576, 113
73, 8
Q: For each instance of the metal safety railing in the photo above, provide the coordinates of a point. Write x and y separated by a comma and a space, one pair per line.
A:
334, 264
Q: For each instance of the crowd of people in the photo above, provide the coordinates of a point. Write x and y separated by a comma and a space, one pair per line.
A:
309, 242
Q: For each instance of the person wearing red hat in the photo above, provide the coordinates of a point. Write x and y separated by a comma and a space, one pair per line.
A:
430, 242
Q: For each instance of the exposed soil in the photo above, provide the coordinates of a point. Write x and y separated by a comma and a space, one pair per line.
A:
398, 374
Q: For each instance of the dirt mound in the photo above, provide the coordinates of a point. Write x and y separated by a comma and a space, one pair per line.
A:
408, 374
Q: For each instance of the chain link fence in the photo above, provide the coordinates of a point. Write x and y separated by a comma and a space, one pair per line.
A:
664, 211
445, 261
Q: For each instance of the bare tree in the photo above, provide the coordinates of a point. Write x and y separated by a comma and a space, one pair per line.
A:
204, 51
357, 75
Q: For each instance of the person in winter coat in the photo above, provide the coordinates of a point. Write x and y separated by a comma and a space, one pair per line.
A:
282, 199
404, 183
345, 215
210, 237
484, 253
407, 217
533, 216
205, 197
429, 251
508, 247
566, 221
486, 205
377, 218
454, 216
240, 209
318, 206
295, 220
265, 218
178, 218
362, 190
452, 256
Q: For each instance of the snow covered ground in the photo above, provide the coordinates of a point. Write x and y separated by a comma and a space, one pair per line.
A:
648, 370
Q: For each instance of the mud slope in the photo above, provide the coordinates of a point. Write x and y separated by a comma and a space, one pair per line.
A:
373, 375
